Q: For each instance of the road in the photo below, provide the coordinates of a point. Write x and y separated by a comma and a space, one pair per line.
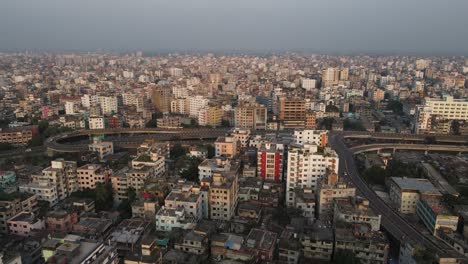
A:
391, 220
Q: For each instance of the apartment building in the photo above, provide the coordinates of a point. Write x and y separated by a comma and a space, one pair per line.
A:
223, 192
61, 174
188, 198
18, 135
356, 211
406, 192
102, 148
96, 122
368, 246
270, 159
446, 108
14, 203
306, 165
45, 191
292, 112
210, 116
90, 175
309, 136
331, 188
250, 116
24, 223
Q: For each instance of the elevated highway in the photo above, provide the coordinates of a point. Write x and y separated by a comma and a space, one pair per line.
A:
398, 146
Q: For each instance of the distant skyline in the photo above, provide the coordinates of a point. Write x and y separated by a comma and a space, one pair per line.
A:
418, 27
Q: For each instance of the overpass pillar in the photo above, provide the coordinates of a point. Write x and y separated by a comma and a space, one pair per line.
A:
379, 151
50, 153
393, 151
426, 152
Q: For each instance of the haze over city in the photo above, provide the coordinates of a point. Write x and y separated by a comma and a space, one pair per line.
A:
428, 27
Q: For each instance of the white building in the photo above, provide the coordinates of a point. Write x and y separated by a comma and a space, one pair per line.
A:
108, 104
197, 103
308, 84
96, 122
306, 165
315, 137
169, 218
44, 191
102, 148
175, 72
446, 108
71, 107
88, 100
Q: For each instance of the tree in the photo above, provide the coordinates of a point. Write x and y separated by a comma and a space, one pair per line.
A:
353, 125
125, 207
327, 123
42, 126
104, 200
5, 146
332, 108
225, 123
455, 127
395, 106
374, 175
190, 173
211, 151
36, 140
151, 123
177, 151
345, 257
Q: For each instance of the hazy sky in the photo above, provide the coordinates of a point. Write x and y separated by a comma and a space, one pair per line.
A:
327, 26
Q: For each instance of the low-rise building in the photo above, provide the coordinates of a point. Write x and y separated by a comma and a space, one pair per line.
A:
261, 243
356, 211
61, 221
90, 175
74, 249
436, 217
12, 204
102, 148
23, 223
368, 246
223, 191
44, 191
7, 179
406, 192
193, 242
317, 241
170, 218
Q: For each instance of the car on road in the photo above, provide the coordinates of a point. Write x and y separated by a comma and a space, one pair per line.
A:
28, 150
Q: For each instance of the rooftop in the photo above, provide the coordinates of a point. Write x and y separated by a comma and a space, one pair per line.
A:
415, 184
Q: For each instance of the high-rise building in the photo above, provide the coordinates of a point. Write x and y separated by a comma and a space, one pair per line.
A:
309, 84
90, 175
446, 108
344, 74
311, 120
270, 161
250, 116
161, 98
223, 196
307, 163
330, 77
210, 116
63, 175
109, 104
292, 112
195, 104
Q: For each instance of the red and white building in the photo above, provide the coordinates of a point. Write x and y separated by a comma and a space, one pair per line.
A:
270, 161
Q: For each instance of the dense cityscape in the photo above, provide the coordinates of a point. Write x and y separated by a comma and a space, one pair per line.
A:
232, 158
